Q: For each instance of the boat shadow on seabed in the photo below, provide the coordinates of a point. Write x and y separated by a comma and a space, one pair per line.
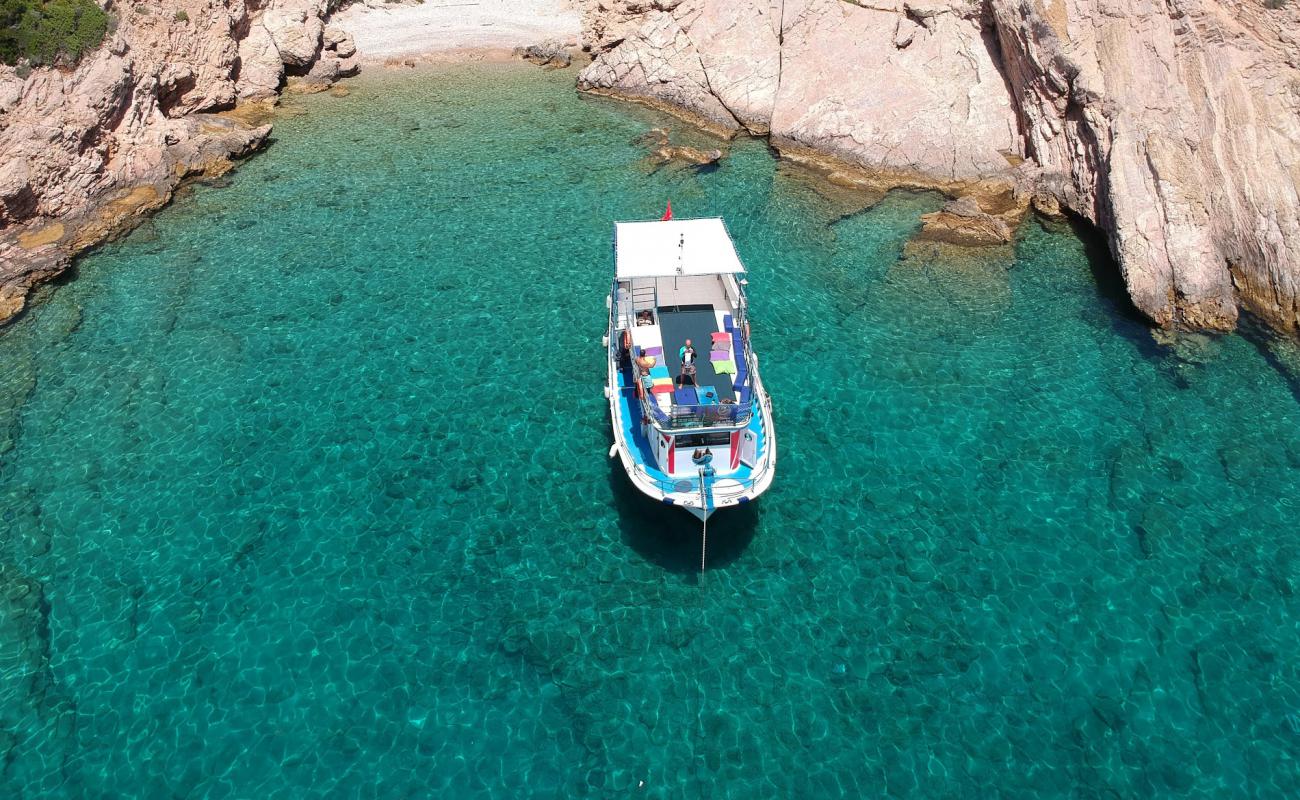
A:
665, 536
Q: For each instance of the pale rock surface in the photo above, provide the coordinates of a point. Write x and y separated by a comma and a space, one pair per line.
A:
84, 152
937, 108
296, 27
1174, 126
261, 70
823, 74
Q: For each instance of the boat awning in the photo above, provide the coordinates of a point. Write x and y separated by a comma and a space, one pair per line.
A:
664, 248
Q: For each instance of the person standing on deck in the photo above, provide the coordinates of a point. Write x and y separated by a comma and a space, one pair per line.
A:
686, 351
686, 354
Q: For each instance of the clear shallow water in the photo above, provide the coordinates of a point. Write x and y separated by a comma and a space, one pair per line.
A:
304, 494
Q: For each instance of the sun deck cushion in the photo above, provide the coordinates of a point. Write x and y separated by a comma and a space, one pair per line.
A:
654, 351
743, 400
726, 322
663, 388
660, 371
720, 336
686, 396
727, 367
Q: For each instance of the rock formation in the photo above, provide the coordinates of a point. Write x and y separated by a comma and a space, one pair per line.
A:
1174, 126
84, 152
663, 151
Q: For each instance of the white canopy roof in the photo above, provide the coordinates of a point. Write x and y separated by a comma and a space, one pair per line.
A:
662, 249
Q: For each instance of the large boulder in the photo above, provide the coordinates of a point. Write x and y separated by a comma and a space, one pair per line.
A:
340, 41
297, 29
828, 75
261, 68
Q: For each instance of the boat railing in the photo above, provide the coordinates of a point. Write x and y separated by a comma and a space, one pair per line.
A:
681, 416
732, 488
700, 416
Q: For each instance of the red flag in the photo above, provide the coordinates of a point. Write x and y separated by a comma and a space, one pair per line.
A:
669, 213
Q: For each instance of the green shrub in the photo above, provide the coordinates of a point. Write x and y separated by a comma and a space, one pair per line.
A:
181, 16
50, 31
1274, 5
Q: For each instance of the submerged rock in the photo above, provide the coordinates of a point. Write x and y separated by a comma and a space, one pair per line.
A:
963, 222
663, 151
547, 54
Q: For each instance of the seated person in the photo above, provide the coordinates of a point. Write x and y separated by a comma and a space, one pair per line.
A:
645, 318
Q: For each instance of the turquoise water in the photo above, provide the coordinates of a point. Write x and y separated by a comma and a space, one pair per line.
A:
304, 494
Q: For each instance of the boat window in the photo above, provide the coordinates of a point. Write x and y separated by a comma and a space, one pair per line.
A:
712, 439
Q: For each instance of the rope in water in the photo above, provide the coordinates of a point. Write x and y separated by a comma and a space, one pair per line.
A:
704, 534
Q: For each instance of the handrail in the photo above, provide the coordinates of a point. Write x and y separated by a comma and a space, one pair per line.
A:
700, 415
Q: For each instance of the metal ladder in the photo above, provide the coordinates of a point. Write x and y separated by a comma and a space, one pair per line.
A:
644, 298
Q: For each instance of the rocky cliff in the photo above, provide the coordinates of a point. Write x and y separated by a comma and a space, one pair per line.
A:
85, 152
1174, 126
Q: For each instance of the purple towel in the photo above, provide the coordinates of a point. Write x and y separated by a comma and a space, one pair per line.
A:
654, 351
719, 355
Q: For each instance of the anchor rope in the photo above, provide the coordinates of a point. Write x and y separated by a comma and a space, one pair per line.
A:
704, 533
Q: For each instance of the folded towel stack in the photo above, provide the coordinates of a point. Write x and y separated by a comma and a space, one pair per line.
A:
720, 354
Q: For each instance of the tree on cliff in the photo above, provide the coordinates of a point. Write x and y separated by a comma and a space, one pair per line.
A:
50, 31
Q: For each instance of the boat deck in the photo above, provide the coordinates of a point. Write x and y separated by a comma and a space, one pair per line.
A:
695, 323
643, 453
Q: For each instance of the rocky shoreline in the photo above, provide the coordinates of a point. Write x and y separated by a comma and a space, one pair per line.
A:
1175, 128
1176, 132
181, 90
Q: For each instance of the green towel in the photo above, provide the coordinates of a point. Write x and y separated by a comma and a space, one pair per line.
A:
727, 367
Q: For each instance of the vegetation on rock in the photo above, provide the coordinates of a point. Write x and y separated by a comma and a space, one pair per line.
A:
50, 31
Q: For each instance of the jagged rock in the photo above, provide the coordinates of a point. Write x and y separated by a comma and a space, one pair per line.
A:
904, 32
1047, 204
11, 90
296, 28
340, 41
963, 222
1171, 125
663, 151
261, 69
691, 155
1174, 126
326, 70
84, 152
547, 54
937, 109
